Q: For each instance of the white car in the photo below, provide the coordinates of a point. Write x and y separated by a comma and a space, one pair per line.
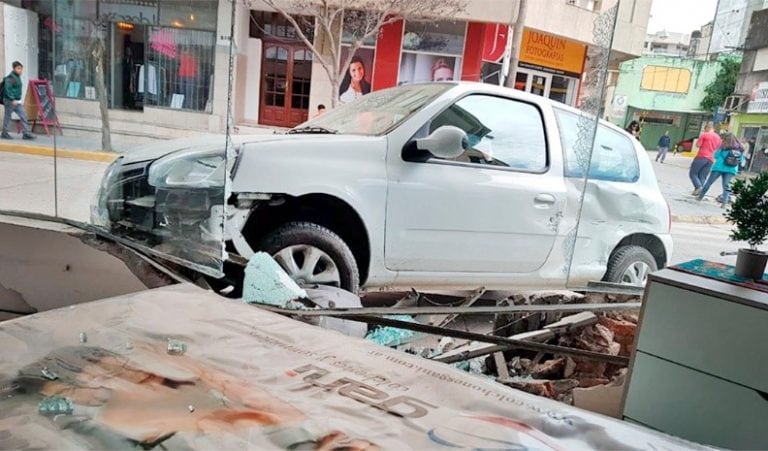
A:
446, 185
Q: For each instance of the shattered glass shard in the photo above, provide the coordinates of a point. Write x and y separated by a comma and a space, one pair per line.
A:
392, 336
175, 347
55, 405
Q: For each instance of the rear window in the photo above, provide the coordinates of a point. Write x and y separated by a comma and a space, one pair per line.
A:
614, 157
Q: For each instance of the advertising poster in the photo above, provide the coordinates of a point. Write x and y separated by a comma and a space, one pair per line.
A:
358, 75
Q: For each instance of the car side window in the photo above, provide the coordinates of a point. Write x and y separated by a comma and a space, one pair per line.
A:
613, 158
502, 132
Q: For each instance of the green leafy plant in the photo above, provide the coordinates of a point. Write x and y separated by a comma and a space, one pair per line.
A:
749, 210
722, 86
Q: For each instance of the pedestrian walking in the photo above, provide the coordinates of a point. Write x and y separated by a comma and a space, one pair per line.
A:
11, 99
663, 146
728, 159
709, 142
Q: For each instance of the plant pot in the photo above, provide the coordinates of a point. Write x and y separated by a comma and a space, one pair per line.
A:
750, 264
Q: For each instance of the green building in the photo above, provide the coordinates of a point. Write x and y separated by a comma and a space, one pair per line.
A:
663, 93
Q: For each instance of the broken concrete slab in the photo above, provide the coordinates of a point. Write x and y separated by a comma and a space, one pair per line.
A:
331, 297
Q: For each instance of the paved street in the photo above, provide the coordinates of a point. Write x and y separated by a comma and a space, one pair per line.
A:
27, 184
676, 187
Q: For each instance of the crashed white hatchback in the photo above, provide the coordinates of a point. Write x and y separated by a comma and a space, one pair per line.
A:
425, 185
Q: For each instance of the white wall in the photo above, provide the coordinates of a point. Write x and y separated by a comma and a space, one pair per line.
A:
252, 80
20, 42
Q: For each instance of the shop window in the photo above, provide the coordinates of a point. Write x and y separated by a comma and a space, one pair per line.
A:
432, 51
666, 79
502, 132
272, 25
178, 72
613, 158
189, 14
73, 71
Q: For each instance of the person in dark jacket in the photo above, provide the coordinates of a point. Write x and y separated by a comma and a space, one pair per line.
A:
12, 102
663, 146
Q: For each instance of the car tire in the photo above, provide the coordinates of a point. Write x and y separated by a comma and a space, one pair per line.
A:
305, 235
630, 265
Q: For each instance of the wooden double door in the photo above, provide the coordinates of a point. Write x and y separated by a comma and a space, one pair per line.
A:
286, 77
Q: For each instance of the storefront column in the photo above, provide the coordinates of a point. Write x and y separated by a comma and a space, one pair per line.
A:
473, 51
387, 64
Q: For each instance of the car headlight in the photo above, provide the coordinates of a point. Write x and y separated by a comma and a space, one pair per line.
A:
195, 169
99, 211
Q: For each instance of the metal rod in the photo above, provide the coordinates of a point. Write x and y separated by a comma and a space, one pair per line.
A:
480, 310
511, 343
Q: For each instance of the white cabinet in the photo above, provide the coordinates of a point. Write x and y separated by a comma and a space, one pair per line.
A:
700, 370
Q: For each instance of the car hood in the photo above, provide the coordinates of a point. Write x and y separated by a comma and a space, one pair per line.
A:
159, 149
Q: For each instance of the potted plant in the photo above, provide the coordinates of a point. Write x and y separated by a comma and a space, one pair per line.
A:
749, 215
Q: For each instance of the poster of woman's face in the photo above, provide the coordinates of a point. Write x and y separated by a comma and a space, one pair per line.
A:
419, 67
357, 75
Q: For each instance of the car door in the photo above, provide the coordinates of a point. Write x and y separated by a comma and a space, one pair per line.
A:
494, 209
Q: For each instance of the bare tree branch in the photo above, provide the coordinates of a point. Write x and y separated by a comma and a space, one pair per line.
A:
352, 23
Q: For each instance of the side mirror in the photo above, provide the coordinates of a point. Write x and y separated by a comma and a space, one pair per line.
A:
446, 142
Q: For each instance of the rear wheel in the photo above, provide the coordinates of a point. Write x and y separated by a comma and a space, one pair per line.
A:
631, 265
312, 254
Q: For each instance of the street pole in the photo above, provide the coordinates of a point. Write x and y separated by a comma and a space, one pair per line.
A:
517, 41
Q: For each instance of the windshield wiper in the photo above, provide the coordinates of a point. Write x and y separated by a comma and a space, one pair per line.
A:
312, 129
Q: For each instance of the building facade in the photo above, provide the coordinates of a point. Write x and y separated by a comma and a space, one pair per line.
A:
166, 62
698, 48
667, 43
168, 69
731, 24
750, 120
663, 94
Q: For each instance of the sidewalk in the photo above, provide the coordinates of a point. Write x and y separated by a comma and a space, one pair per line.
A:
676, 188
76, 147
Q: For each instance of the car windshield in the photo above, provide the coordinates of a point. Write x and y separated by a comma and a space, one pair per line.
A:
375, 113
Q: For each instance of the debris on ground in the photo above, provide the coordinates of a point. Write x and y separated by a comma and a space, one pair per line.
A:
324, 296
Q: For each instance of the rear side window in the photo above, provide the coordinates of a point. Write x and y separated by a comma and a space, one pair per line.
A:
502, 132
613, 159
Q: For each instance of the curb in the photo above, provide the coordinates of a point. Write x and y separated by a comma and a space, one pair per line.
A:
87, 155
714, 220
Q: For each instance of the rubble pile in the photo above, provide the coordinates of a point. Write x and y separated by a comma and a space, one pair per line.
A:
556, 377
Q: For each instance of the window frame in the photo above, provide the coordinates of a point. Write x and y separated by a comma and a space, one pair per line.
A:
557, 112
434, 160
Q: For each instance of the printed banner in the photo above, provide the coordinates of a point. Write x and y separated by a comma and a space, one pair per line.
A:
180, 367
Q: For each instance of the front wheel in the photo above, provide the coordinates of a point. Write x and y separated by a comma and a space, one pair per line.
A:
313, 254
630, 265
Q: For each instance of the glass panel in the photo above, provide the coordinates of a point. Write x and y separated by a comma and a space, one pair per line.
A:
197, 14
422, 67
129, 174
559, 89
501, 132
180, 66
521, 81
538, 84
438, 37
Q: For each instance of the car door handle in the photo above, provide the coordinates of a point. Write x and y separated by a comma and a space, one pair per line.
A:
544, 201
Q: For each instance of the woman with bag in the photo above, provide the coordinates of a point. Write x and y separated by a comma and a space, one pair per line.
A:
728, 160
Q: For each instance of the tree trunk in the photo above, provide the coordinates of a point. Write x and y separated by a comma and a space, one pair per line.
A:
517, 41
335, 92
101, 91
